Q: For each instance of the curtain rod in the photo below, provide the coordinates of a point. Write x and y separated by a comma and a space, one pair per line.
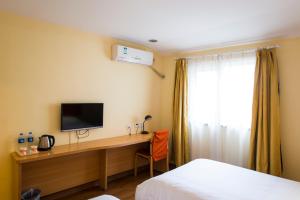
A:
237, 51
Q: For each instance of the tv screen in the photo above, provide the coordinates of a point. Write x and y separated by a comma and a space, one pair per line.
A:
76, 116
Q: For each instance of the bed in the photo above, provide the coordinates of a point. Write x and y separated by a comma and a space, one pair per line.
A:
204, 179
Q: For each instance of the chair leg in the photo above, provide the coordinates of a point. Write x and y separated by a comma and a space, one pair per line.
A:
167, 163
151, 167
135, 165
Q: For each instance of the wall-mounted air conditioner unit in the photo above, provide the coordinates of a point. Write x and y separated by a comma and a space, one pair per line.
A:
127, 54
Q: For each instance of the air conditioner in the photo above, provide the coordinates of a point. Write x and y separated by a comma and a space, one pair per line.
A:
127, 54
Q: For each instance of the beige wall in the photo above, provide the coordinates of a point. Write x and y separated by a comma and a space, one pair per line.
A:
42, 65
289, 66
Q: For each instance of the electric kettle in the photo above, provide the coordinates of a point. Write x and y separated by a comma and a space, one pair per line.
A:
46, 142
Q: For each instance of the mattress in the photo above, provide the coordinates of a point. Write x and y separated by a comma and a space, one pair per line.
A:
204, 179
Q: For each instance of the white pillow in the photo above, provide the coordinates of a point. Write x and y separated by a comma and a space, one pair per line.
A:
105, 197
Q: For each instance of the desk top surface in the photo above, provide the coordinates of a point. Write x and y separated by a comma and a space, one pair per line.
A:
69, 149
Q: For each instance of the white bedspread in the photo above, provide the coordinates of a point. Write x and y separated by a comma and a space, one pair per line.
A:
204, 179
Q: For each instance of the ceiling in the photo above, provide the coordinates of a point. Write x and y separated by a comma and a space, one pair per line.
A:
178, 25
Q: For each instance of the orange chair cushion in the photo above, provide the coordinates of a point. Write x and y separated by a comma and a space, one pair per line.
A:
160, 145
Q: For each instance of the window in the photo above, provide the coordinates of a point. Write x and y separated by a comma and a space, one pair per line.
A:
220, 105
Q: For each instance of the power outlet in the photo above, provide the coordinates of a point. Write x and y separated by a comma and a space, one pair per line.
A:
141, 126
129, 129
137, 127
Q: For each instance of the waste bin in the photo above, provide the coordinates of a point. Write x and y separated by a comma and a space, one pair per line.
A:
31, 194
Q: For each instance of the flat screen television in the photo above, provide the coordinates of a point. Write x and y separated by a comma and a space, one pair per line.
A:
78, 116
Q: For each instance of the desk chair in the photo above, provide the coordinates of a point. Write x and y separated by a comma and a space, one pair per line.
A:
158, 151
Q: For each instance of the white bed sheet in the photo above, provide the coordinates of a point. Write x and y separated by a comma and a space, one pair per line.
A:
204, 179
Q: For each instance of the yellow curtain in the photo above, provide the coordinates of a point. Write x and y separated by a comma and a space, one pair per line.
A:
180, 122
265, 149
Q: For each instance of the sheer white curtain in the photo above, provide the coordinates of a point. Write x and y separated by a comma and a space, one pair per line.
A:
220, 105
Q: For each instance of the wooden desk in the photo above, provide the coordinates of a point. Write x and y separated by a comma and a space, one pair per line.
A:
67, 166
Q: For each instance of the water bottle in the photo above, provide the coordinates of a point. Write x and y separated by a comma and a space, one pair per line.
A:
22, 148
21, 140
30, 139
30, 147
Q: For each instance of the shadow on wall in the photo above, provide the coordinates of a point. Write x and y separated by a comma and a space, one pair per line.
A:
53, 118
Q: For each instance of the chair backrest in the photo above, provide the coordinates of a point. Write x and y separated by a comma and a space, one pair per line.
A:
160, 142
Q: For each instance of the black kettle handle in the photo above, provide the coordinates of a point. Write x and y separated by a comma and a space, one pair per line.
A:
52, 138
